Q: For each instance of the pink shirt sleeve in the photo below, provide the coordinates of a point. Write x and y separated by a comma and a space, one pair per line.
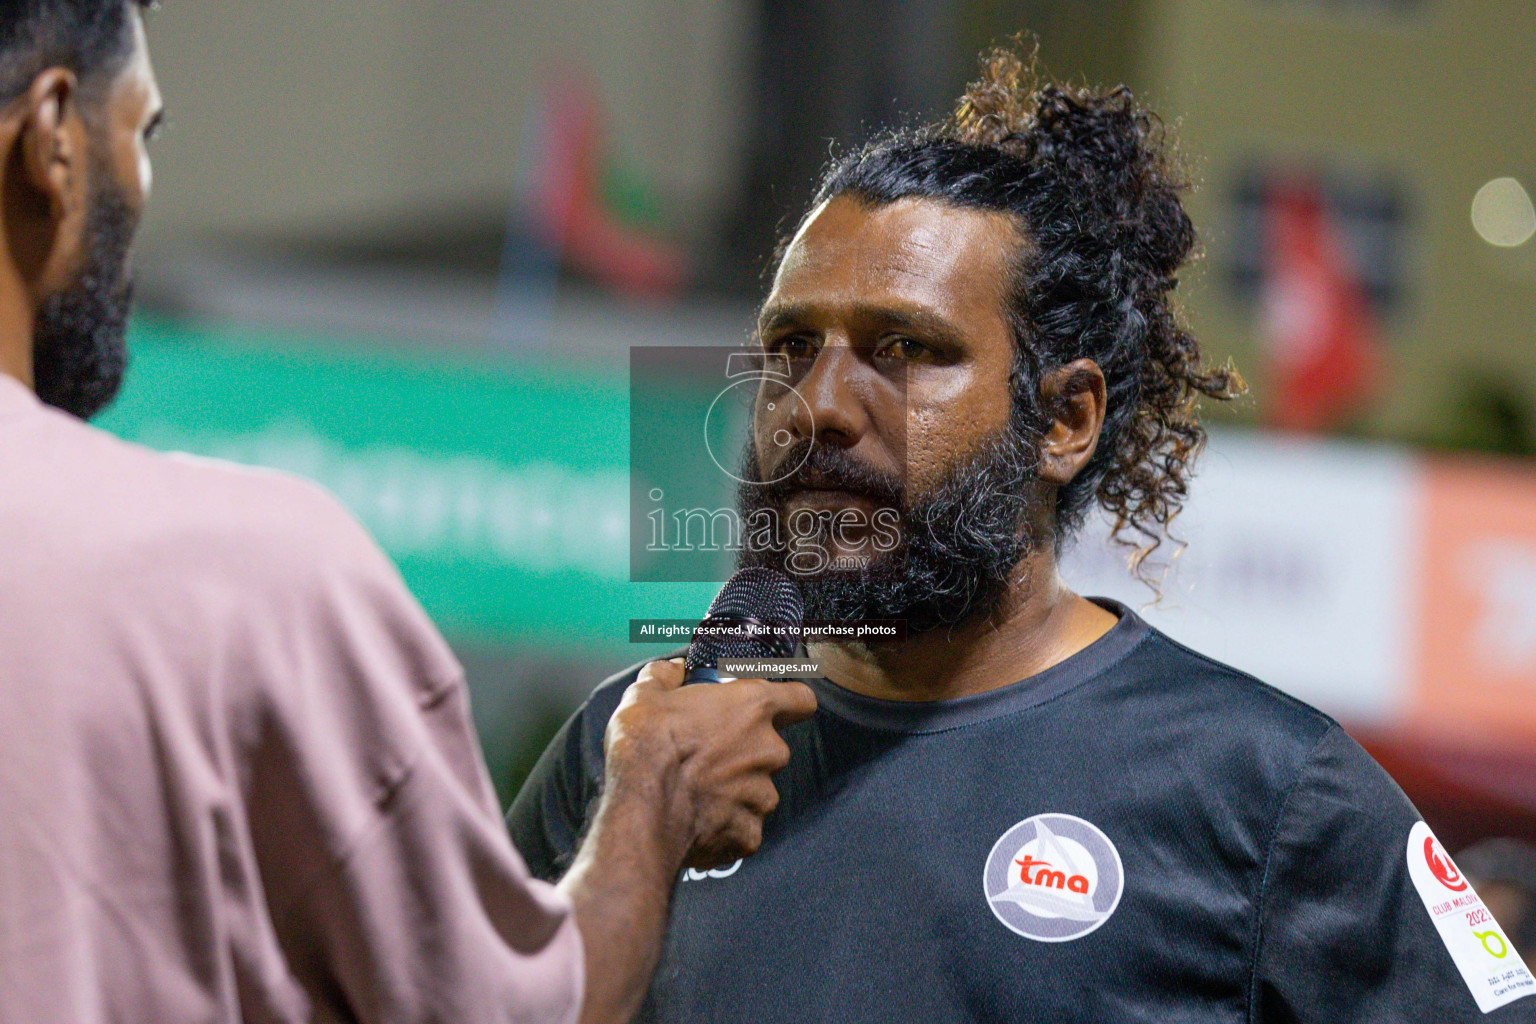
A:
392, 884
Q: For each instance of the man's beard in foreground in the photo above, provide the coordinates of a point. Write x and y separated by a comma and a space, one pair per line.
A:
79, 346
960, 541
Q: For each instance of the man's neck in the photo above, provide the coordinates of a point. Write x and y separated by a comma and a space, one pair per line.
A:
14, 363
15, 325
1038, 623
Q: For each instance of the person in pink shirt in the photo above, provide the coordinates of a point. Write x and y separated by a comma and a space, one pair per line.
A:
238, 780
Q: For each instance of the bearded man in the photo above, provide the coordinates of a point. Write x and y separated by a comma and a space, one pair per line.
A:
1035, 807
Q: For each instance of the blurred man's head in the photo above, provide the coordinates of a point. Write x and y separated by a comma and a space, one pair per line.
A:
78, 101
979, 319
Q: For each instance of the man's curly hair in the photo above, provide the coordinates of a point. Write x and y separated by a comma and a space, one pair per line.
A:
1092, 182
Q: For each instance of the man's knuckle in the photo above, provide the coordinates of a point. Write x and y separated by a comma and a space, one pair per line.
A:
749, 835
765, 700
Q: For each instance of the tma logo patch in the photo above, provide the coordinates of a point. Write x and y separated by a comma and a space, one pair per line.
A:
1053, 877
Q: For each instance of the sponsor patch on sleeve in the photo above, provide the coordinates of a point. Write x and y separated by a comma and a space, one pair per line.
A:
1490, 966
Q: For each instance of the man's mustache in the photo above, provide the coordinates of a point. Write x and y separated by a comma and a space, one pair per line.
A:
829, 468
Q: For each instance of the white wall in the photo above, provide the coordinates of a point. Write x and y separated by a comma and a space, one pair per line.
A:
292, 117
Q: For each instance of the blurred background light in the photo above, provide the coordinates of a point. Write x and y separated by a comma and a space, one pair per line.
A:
1502, 213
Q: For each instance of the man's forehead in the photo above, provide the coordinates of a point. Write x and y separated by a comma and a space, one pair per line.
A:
139, 66
134, 88
912, 251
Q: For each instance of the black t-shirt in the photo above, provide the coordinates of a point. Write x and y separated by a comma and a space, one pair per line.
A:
1135, 834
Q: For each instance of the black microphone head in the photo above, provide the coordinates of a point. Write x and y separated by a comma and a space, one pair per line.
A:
760, 612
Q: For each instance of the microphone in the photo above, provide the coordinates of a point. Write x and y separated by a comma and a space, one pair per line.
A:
757, 614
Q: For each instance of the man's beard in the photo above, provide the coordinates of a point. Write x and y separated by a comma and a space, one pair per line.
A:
960, 541
79, 346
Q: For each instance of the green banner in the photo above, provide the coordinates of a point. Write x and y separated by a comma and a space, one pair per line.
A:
500, 489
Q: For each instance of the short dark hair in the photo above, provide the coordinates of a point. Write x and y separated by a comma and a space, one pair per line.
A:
1091, 181
92, 38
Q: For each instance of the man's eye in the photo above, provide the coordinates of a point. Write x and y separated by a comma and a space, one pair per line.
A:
153, 130
794, 348
904, 348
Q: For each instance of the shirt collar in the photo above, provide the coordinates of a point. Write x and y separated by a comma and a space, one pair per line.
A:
941, 716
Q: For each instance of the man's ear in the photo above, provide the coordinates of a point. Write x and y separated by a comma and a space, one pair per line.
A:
51, 147
1073, 397
45, 187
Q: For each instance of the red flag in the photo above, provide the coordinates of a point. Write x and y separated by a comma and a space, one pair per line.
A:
573, 216
1317, 320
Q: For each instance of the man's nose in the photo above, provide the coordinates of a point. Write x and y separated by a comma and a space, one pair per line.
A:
833, 412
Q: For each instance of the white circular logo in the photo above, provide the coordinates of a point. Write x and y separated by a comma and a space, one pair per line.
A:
1053, 877
743, 393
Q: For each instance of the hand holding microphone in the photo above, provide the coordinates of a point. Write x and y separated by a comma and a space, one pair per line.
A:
722, 739
688, 780
704, 757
